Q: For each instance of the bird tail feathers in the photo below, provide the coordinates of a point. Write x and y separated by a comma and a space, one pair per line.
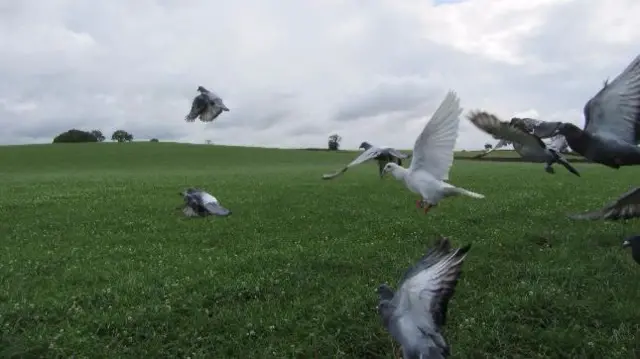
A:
465, 192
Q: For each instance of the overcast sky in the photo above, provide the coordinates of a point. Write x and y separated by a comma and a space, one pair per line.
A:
294, 71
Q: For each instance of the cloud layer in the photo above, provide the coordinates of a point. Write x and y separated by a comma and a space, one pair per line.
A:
293, 72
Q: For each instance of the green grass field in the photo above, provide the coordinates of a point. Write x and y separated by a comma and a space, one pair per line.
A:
97, 262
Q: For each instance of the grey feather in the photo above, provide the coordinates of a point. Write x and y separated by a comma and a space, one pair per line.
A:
207, 106
416, 313
627, 206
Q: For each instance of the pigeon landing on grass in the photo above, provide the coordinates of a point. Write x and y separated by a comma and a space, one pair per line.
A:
634, 243
199, 203
625, 207
416, 313
383, 155
611, 131
208, 106
433, 156
528, 145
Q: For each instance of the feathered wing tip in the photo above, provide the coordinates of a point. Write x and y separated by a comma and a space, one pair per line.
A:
453, 261
625, 207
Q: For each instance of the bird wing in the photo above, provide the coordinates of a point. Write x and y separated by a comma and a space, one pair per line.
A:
433, 149
490, 124
614, 111
500, 144
217, 209
625, 207
423, 296
369, 154
198, 105
210, 113
427, 288
395, 153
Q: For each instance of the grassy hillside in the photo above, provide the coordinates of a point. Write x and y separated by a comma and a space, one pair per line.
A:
96, 260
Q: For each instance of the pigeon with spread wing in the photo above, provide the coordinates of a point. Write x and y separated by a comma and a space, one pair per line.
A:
415, 314
433, 157
527, 144
612, 122
382, 155
208, 106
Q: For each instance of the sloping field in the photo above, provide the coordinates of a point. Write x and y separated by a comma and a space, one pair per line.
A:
97, 262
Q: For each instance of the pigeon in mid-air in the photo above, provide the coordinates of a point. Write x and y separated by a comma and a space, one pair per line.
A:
634, 243
415, 314
612, 122
382, 155
208, 106
433, 156
527, 144
198, 203
627, 206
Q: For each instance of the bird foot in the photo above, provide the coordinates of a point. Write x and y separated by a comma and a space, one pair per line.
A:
549, 170
419, 203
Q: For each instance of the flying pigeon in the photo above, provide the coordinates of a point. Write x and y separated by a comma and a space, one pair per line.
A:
611, 131
528, 145
625, 207
415, 314
383, 155
199, 203
634, 243
207, 105
433, 156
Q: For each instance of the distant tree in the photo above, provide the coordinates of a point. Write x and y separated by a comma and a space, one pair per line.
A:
334, 142
208, 142
488, 146
121, 136
154, 140
98, 135
75, 136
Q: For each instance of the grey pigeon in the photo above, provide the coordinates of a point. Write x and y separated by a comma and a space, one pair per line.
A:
416, 313
208, 106
625, 207
382, 155
527, 144
199, 203
611, 131
634, 243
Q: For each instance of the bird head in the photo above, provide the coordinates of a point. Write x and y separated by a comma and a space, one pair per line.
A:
365, 145
389, 167
629, 242
202, 89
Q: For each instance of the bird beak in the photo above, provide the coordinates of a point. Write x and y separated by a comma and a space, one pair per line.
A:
626, 243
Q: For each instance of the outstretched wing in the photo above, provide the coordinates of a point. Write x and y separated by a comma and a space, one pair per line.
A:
625, 207
614, 112
198, 106
429, 285
395, 153
367, 155
500, 144
490, 124
433, 149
